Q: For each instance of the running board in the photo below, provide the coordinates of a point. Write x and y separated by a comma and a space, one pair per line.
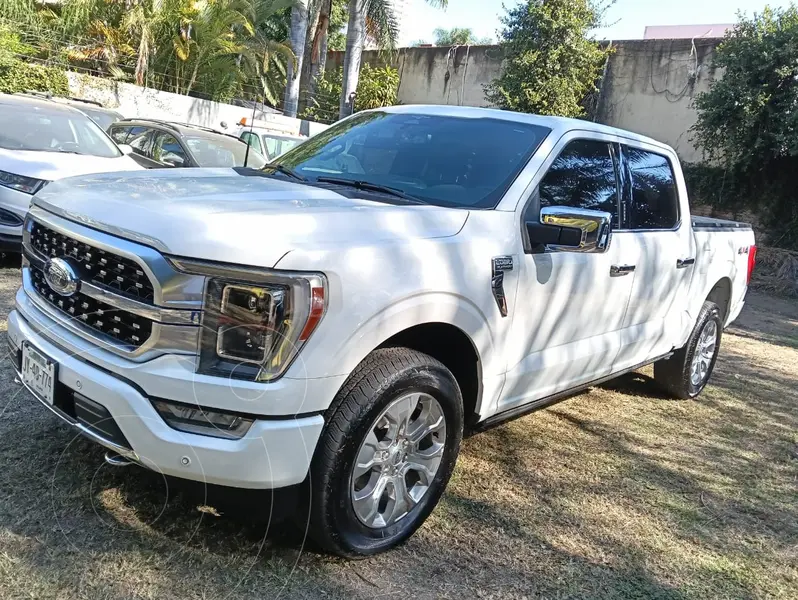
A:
525, 409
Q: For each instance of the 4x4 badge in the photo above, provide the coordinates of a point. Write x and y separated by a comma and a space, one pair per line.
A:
500, 265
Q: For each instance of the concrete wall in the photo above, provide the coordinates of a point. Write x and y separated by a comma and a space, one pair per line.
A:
649, 88
134, 101
437, 75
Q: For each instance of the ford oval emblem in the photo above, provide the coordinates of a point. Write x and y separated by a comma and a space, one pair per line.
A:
61, 277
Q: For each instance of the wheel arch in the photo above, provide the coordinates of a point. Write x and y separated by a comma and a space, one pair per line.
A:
721, 294
455, 349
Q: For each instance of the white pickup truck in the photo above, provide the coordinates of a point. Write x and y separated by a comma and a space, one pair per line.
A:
338, 319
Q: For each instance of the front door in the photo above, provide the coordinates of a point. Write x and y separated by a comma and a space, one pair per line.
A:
570, 306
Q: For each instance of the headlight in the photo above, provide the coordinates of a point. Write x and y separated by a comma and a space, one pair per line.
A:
29, 185
254, 322
195, 419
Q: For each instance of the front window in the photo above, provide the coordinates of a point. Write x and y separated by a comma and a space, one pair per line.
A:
443, 160
26, 126
223, 151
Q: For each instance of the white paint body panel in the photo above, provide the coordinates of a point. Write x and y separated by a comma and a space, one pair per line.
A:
390, 268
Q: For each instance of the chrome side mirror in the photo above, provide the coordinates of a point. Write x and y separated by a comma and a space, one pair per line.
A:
572, 229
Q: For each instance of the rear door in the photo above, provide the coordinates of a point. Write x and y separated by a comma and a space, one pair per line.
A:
658, 238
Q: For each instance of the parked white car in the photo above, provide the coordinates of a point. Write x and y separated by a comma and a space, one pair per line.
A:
268, 142
342, 317
41, 141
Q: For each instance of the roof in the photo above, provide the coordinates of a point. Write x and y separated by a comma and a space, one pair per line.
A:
556, 124
32, 101
181, 128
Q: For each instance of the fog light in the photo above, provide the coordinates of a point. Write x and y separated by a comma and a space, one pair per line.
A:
195, 419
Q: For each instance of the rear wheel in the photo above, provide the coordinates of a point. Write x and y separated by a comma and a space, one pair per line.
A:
386, 454
686, 373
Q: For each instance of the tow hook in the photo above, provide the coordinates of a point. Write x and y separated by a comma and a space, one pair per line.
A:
117, 460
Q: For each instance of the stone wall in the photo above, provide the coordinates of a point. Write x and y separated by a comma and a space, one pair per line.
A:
649, 85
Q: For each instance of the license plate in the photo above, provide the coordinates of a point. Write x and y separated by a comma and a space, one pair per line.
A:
38, 372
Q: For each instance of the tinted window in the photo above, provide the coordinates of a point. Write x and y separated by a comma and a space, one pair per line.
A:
29, 126
583, 176
119, 134
443, 160
654, 201
167, 150
252, 140
212, 150
139, 139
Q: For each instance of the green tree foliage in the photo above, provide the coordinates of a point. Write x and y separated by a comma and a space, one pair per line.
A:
20, 75
551, 62
217, 49
457, 36
378, 87
748, 123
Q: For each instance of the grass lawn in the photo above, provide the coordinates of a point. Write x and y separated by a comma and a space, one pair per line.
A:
616, 493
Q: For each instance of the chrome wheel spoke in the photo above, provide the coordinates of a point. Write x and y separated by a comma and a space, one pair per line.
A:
426, 462
704, 352
399, 413
402, 503
367, 501
370, 455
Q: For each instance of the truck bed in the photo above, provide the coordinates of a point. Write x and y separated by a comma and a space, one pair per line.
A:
715, 224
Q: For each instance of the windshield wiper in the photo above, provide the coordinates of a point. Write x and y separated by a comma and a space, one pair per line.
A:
371, 187
285, 170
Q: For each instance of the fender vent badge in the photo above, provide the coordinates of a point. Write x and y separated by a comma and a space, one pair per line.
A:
500, 265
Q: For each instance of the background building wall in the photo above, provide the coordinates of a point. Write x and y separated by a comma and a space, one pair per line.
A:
649, 85
135, 101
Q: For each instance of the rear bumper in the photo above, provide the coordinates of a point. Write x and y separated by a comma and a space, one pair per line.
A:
274, 453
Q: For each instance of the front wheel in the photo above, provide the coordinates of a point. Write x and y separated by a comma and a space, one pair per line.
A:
686, 373
386, 453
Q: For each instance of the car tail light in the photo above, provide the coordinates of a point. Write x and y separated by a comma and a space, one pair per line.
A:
751, 263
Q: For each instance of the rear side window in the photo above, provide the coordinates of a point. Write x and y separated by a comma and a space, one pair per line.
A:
654, 197
583, 176
119, 134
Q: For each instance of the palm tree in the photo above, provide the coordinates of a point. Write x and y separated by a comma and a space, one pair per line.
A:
376, 19
297, 37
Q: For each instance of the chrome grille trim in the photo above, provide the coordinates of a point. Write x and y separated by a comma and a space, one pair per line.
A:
171, 288
175, 314
164, 339
171, 316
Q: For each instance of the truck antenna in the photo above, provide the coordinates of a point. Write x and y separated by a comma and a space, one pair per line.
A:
251, 124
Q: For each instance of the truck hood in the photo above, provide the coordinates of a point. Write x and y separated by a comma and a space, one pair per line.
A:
51, 166
217, 214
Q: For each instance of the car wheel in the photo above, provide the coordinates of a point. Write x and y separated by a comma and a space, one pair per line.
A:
686, 372
386, 454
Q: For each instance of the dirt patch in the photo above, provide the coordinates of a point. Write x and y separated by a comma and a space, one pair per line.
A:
619, 492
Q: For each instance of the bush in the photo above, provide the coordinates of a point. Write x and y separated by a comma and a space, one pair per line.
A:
748, 125
378, 87
19, 76
551, 62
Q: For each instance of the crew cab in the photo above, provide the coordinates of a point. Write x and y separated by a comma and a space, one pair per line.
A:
340, 317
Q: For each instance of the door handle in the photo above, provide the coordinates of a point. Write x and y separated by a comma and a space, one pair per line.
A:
683, 263
621, 270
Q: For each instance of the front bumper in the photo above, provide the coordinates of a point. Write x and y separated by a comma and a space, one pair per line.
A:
275, 452
17, 203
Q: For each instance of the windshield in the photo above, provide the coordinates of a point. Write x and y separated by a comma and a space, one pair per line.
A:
223, 151
277, 145
443, 160
26, 126
103, 118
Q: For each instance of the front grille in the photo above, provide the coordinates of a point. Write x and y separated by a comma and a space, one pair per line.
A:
120, 274
120, 325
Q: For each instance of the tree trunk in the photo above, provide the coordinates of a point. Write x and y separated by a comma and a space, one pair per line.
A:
297, 37
318, 51
355, 38
307, 61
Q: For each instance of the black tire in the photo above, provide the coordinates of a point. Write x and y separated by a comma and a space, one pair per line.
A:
383, 376
674, 374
